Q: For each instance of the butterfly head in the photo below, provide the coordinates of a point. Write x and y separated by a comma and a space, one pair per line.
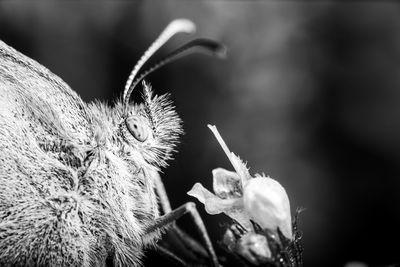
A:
153, 127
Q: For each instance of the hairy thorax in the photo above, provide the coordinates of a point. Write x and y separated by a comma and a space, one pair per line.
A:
105, 188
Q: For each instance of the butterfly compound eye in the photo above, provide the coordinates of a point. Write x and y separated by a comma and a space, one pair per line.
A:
137, 127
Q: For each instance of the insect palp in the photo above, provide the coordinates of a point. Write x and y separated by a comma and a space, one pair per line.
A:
175, 27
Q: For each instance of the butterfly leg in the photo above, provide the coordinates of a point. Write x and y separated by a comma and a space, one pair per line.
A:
162, 193
188, 208
190, 243
170, 256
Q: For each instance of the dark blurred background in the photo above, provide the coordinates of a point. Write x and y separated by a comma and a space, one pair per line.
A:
310, 95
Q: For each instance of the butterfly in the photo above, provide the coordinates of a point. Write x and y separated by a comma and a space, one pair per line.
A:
79, 182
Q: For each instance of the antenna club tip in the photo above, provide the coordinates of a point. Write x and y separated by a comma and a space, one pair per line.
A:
183, 25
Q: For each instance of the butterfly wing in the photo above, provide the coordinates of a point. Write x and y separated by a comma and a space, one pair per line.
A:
24, 78
41, 119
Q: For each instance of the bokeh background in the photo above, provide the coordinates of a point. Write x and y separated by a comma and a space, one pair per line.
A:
310, 95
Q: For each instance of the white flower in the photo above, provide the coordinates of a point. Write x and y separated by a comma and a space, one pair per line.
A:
266, 201
243, 197
228, 197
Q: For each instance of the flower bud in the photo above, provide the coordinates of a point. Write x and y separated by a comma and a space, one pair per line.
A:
229, 239
267, 203
254, 248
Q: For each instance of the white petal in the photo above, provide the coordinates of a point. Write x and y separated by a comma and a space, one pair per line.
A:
267, 203
198, 191
226, 184
215, 205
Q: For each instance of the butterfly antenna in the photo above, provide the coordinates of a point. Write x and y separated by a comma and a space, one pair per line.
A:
199, 45
176, 26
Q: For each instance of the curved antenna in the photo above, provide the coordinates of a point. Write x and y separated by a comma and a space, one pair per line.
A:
202, 45
176, 26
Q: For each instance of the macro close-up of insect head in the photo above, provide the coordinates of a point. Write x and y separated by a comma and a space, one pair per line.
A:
199, 133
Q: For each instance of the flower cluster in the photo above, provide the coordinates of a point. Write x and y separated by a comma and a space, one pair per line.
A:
244, 198
258, 201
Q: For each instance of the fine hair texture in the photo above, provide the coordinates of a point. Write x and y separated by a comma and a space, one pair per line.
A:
75, 187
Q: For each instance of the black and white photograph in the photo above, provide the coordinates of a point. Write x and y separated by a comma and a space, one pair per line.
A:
199, 133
